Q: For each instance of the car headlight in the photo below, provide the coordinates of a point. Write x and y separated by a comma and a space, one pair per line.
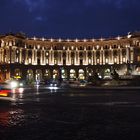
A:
13, 84
20, 84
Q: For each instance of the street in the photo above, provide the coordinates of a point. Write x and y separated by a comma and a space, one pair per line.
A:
71, 114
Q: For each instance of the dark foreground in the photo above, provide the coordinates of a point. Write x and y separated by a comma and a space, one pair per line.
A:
72, 114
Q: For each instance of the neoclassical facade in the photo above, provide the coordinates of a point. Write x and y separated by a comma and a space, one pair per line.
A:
44, 59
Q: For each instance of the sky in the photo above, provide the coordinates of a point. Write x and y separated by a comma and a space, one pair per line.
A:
70, 18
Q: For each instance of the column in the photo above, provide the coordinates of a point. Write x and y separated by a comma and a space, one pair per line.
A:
120, 55
87, 57
104, 61
101, 56
20, 56
131, 55
52, 57
33, 56
111, 61
127, 54
95, 59
26, 57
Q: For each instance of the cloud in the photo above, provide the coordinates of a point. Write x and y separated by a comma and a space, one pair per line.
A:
39, 18
32, 5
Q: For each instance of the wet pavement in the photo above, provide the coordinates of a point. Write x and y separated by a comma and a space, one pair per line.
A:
71, 114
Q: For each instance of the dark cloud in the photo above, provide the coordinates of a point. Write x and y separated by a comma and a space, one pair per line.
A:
70, 18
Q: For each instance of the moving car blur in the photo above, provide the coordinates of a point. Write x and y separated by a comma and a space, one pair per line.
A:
11, 89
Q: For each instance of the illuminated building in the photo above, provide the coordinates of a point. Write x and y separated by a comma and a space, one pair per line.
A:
41, 59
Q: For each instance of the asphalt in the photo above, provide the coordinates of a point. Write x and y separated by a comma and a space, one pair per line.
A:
71, 114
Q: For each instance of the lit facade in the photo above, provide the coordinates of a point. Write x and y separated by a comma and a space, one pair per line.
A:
43, 59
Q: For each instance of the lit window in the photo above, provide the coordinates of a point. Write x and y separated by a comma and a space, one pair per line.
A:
115, 60
55, 61
97, 46
47, 61
138, 58
124, 59
106, 60
47, 53
98, 60
16, 59
38, 46
89, 61
29, 60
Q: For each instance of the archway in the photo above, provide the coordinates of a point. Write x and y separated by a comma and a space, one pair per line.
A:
72, 74
38, 75
81, 74
17, 74
30, 75
55, 74
47, 74
89, 72
63, 74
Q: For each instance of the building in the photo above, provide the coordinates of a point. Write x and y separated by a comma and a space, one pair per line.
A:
42, 59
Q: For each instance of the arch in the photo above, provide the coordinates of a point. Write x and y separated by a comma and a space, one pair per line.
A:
30, 75
47, 74
72, 74
63, 73
81, 74
17, 73
89, 72
55, 74
38, 75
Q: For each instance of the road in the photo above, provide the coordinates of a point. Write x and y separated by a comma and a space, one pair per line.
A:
71, 114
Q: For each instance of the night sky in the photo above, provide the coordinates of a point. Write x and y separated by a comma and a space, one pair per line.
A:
70, 18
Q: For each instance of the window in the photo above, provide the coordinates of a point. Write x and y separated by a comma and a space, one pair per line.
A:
47, 61
64, 61
72, 61
89, 61
138, 58
81, 62
106, 60
55, 62
124, 59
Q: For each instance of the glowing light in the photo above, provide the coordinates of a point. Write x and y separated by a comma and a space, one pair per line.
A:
21, 84
129, 36
3, 94
51, 39
101, 39
53, 88
59, 40
21, 90
85, 40
14, 84
43, 39
68, 40
34, 38
118, 37
76, 40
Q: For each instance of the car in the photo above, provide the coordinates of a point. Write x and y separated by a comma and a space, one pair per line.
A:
5, 93
12, 84
54, 84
